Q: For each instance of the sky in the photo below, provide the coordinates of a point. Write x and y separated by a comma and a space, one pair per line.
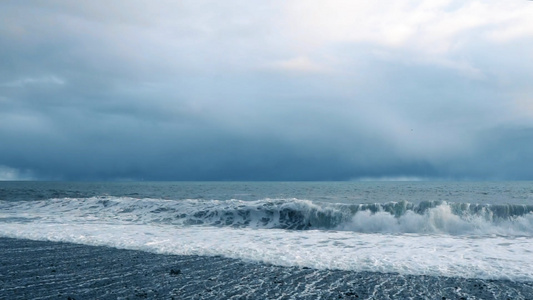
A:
266, 90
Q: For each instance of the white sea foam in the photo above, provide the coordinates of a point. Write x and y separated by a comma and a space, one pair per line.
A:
488, 257
439, 220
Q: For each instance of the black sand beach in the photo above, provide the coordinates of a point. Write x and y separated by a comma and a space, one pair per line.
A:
50, 270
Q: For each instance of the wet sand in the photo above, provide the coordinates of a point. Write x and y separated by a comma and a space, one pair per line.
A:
51, 270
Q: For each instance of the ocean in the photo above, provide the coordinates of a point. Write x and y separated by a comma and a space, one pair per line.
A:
424, 233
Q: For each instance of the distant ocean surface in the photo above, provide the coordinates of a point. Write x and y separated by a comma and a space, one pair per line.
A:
455, 229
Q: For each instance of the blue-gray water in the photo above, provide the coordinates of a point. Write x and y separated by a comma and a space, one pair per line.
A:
341, 192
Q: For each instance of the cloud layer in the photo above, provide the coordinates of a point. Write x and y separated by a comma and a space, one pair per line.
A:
283, 90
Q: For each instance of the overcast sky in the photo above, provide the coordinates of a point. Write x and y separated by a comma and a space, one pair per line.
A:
266, 90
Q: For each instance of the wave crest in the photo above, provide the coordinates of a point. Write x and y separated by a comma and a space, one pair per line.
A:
392, 217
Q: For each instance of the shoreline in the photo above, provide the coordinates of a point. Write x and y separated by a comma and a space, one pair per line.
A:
54, 270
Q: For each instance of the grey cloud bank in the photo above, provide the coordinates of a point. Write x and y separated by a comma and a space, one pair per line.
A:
200, 90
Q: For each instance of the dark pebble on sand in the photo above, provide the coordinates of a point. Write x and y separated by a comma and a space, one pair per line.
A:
175, 272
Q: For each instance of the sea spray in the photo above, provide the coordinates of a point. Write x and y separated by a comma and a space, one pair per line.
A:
427, 217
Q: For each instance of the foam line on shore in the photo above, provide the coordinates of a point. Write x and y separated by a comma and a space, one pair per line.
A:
51, 270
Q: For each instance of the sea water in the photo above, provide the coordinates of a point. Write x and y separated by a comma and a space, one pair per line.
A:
455, 229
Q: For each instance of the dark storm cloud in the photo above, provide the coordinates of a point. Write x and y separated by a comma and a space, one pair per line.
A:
205, 91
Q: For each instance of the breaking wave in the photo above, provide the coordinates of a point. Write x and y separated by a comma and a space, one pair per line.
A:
392, 217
